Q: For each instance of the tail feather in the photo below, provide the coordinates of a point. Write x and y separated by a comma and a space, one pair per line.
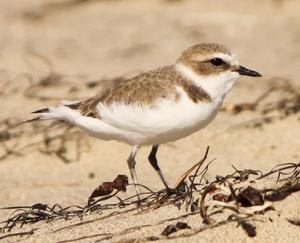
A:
30, 120
60, 112
44, 110
37, 118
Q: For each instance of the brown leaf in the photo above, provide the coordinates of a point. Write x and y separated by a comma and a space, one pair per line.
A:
250, 197
102, 190
106, 188
120, 183
170, 229
182, 225
222, 197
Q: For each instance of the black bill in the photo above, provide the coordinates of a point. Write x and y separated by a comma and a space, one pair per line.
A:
245, 71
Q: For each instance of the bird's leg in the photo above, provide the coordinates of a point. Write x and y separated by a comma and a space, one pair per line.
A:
131, 164
153, 162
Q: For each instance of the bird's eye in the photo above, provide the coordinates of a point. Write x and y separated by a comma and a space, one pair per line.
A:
216, 61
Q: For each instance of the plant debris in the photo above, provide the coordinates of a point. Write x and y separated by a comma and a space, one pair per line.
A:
107, 188
294, 221
250, 197
152, 238
196, 195
246, 226
172, 228
288, 103
22, 234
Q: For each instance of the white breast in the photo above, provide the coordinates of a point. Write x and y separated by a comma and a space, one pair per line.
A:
165, 121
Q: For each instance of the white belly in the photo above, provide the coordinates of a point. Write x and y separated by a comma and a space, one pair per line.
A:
164, 122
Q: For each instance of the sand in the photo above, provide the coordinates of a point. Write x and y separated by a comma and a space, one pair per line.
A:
96, 40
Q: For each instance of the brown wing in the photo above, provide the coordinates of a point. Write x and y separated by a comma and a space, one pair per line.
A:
142, 89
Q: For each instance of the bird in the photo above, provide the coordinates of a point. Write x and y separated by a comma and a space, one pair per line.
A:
157, 106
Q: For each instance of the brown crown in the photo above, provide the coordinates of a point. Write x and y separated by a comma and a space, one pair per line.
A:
203, 49
204, 67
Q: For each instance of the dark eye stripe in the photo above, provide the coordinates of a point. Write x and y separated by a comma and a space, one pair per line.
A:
217, 61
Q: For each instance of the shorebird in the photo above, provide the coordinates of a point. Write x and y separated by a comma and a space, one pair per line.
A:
157, 106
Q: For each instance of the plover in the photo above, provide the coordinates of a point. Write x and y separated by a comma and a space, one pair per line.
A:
157, 106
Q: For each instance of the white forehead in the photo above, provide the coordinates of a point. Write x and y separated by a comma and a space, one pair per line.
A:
230, 59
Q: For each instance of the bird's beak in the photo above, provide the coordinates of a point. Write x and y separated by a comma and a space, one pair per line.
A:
245, 71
